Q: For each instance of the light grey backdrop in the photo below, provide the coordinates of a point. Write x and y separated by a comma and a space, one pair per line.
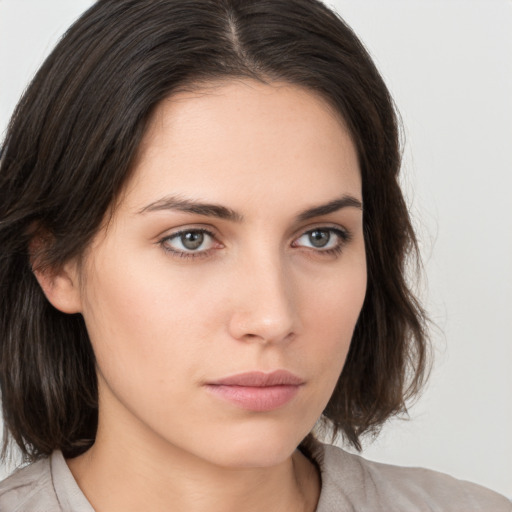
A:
449, 66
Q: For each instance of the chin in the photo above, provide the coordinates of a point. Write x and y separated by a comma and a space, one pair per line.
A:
252, 448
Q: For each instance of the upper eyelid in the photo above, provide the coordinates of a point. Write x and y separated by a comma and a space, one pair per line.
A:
170, 232
320, 226
188, 230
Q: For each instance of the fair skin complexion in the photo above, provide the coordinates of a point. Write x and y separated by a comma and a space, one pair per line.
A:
175, 298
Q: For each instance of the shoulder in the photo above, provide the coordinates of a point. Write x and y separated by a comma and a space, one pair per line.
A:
29, 489
363, 485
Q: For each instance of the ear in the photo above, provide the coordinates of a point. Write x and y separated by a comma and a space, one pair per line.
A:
61, 286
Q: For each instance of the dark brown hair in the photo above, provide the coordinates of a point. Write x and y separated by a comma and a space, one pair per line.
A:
68, 152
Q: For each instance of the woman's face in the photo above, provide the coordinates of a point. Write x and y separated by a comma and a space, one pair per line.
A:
237, 247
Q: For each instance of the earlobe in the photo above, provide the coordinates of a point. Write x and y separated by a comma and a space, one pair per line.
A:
60, 287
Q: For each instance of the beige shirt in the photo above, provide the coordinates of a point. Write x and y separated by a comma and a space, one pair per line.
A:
349, 484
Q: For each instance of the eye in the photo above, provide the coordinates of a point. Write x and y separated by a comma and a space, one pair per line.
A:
328, 240
189, 242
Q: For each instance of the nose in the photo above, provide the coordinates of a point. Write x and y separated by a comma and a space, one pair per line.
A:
263, 308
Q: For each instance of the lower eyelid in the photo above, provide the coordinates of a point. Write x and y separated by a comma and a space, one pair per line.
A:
187, 254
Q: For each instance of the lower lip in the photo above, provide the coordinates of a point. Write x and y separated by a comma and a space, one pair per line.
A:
255, 398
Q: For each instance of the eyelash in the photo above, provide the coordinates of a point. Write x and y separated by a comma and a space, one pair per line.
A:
343, 236
185, 254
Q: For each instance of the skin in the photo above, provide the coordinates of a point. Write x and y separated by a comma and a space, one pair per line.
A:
258, 295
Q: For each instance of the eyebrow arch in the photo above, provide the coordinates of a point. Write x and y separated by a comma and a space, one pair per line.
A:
345, 201
222, 212
190, 206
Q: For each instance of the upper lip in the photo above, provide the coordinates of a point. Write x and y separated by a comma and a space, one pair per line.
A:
260, 379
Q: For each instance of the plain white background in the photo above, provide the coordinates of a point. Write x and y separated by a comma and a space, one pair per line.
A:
448, 64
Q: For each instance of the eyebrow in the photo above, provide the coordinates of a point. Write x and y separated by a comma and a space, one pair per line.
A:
345, 201
190, 206
222, 212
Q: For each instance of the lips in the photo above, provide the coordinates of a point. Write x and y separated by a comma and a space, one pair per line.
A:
261, 379
257, 391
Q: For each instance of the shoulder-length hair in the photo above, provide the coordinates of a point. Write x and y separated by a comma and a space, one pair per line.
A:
69, 150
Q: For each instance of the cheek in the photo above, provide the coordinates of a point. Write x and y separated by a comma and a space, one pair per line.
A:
135, 318
150, 326
330, 310
148, 343
334, 302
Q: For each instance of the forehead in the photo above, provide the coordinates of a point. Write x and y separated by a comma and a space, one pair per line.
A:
244, 137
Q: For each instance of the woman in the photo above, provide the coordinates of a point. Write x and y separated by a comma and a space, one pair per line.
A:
204, 246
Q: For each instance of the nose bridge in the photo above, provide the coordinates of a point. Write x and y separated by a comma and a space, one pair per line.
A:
264, 306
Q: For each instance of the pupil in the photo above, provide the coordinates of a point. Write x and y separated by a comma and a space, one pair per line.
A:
319, 238
192, 239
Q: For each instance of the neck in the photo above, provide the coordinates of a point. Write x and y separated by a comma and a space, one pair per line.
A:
124, 472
